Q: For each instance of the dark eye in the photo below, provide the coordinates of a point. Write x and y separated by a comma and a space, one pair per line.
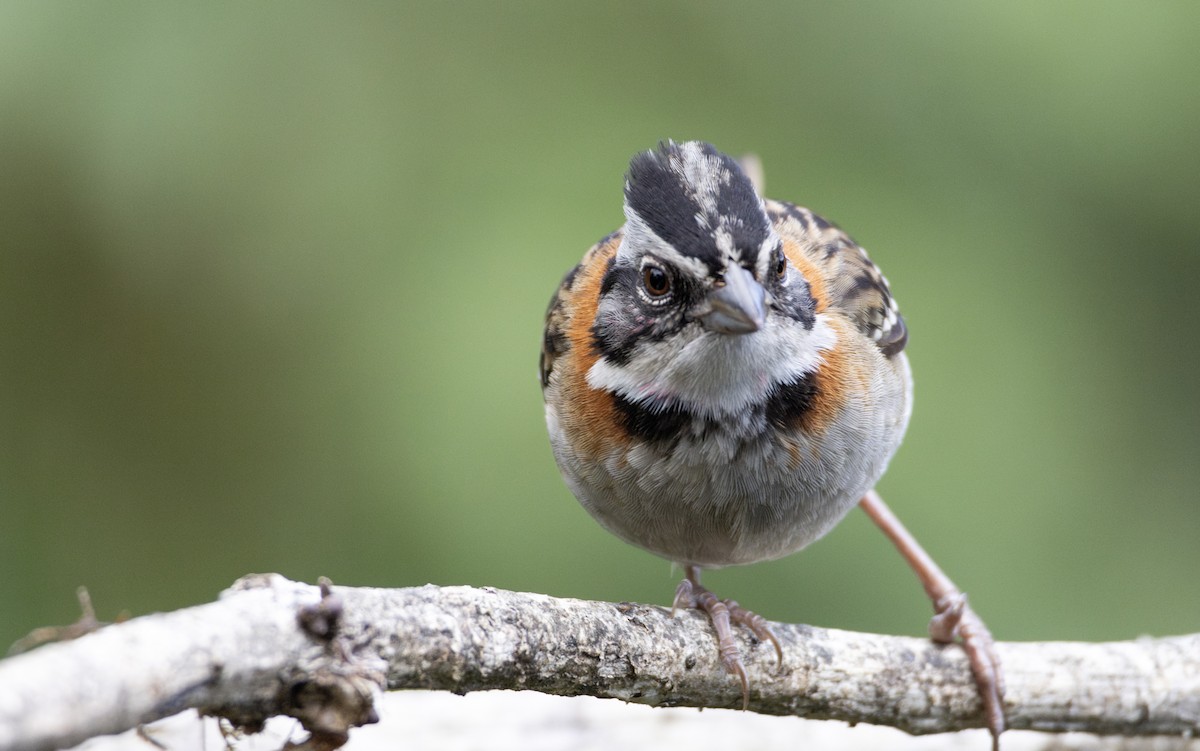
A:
780, 264
656, 281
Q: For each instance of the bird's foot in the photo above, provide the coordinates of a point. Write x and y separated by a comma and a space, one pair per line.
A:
724, 614
954, 620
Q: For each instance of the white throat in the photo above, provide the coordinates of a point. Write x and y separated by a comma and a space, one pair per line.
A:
713, 374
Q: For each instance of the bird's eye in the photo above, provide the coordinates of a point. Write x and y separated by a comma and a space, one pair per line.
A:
780, 264
655, 280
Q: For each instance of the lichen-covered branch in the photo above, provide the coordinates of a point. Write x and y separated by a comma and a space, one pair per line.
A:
270, 646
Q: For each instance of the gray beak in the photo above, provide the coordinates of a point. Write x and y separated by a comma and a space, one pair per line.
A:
738, 306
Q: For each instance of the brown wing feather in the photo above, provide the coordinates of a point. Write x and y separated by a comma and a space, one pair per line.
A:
851, 282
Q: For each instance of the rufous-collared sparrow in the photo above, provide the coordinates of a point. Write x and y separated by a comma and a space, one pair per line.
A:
725, 378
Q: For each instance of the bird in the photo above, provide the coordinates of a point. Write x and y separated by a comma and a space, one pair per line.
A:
724, 379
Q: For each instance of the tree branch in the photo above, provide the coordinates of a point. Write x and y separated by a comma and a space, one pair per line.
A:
270, 646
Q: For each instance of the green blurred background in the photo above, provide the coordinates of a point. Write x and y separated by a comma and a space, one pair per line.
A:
272, 279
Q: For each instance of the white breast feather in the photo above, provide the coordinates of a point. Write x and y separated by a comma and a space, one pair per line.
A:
714, 374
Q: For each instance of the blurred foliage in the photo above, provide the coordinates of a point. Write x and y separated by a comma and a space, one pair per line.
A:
272, 279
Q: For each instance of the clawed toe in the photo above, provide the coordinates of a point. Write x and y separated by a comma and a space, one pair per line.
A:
685, 598
758, 626
944, 625
723, 614
953, 618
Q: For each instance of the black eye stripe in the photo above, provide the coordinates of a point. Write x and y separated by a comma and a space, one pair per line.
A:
629, 314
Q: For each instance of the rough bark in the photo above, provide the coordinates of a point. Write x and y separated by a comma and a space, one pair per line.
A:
270, 646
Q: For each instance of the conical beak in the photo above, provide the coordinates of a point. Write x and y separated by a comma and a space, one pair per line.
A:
738, 305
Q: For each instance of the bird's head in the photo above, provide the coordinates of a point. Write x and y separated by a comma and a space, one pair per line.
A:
701, 306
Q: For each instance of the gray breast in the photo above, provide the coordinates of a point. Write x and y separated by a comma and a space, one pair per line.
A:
725, 492
743, 487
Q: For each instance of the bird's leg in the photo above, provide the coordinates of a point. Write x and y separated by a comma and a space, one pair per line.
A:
723, 614
953, 617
